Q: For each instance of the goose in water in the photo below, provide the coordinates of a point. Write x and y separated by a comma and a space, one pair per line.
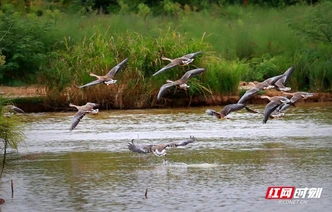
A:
106, 79
180, 61
82, 110
157, 149
180, 82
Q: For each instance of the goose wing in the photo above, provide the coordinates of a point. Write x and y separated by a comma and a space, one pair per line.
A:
164, 88
191, 73
168, 66
280, 83
76, 119
273, 80
296, 97
269, 108
248, 94
189, 56
91, 83
231, 107
182, 143
284, 107
16, 109
139, 148
116, 69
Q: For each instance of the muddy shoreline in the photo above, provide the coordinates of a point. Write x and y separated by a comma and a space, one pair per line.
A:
32, 99
33, 104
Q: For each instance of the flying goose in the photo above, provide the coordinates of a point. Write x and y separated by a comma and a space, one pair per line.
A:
181, 61
13, 108
274, 103
265, 85
82, 110
108, 78
180, 82
157, 149
228, 109
295, 97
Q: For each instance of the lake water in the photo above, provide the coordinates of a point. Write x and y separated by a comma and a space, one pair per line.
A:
228, 168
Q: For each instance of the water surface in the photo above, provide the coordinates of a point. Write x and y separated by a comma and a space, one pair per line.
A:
228, 168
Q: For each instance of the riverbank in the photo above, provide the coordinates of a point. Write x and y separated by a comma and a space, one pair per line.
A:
33, 99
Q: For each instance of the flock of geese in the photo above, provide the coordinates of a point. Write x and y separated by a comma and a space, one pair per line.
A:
108, 79
275, 108
276, 105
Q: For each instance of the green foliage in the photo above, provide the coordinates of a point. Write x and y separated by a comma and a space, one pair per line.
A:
314, 59
102, 51
10, 126
23, 44
237, 44
262, 68
2, 59
143, 10
315, 25
223, 76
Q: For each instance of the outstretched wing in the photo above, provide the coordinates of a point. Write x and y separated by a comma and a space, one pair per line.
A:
231, 107
273, 80
284, 79
76, 119
248, 94
284, 107
16, 109
116, 68
139, 148
189, 56
181, 143
269, 108
296, 97
164, 88
168, 66
91, 83
191, 73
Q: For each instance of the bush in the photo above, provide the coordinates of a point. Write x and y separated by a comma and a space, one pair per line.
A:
23, 46
11, 133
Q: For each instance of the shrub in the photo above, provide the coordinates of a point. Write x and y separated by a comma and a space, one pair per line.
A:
22, 45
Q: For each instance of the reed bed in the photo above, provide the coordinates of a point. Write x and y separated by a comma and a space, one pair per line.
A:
238, 44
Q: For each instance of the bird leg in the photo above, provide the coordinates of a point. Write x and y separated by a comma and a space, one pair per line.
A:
165, 161
250, 110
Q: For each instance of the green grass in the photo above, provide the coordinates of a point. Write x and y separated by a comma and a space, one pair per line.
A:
238, 43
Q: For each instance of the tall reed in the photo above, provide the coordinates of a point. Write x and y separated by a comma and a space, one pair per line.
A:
237, 44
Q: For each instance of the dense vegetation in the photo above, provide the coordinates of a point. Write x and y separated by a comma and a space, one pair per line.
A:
57, 44
10, 132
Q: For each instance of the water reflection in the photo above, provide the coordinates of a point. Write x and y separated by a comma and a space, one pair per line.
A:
228, 168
